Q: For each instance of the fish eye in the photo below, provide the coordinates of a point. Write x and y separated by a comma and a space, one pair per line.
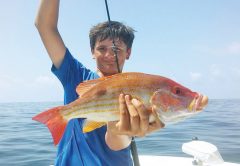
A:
177, 91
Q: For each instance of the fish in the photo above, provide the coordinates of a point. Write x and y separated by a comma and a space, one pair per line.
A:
98, 102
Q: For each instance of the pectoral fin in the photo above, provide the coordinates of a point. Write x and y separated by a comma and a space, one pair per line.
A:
92, 125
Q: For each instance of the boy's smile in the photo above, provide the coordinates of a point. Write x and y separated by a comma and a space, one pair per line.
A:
104, 53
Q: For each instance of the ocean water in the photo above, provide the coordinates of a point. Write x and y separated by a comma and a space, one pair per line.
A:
26, 142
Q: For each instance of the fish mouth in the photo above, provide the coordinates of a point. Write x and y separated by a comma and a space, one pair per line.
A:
198, 103
195, 107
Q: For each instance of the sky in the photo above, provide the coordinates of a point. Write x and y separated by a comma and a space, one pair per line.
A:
195, 43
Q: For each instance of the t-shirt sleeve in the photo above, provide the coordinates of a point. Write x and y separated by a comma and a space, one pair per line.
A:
69, 69
70, 73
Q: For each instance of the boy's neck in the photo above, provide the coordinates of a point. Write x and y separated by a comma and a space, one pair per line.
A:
101, 74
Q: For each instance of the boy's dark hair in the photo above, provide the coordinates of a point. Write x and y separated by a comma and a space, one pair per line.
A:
118, 30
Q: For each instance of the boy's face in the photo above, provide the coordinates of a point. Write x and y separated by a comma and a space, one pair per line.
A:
105, 57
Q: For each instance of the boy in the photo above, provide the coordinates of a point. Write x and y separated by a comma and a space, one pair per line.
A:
108, 145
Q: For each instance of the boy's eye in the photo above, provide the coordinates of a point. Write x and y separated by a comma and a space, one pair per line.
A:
116, 49
110, 48
101, 49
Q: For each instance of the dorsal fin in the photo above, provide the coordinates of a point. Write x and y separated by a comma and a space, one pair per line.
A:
86, 85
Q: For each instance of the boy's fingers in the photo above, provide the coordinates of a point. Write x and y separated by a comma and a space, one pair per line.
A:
134, 116
157, 124
143, 114
124, 115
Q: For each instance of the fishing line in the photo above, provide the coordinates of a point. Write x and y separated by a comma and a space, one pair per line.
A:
113, 41
133, 143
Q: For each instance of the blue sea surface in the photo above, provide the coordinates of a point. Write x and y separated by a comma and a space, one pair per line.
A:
24, 142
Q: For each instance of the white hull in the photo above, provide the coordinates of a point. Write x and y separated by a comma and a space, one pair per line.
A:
146, 160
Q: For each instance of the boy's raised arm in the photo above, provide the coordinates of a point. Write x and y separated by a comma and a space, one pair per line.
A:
46, 23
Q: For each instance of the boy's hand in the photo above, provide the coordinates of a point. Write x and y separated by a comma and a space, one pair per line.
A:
134, 119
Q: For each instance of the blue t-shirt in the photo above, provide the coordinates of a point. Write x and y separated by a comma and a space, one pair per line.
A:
77, 148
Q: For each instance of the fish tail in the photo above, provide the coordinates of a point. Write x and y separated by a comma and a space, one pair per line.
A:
54, 121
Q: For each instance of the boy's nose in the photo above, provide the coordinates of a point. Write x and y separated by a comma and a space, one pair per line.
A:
110, 53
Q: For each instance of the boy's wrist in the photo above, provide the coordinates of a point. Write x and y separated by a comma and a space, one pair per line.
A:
116, 141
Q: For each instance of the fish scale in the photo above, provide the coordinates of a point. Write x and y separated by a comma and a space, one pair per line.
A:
107, 103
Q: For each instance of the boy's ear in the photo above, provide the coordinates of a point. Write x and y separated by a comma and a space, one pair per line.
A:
129, 50
93, 56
